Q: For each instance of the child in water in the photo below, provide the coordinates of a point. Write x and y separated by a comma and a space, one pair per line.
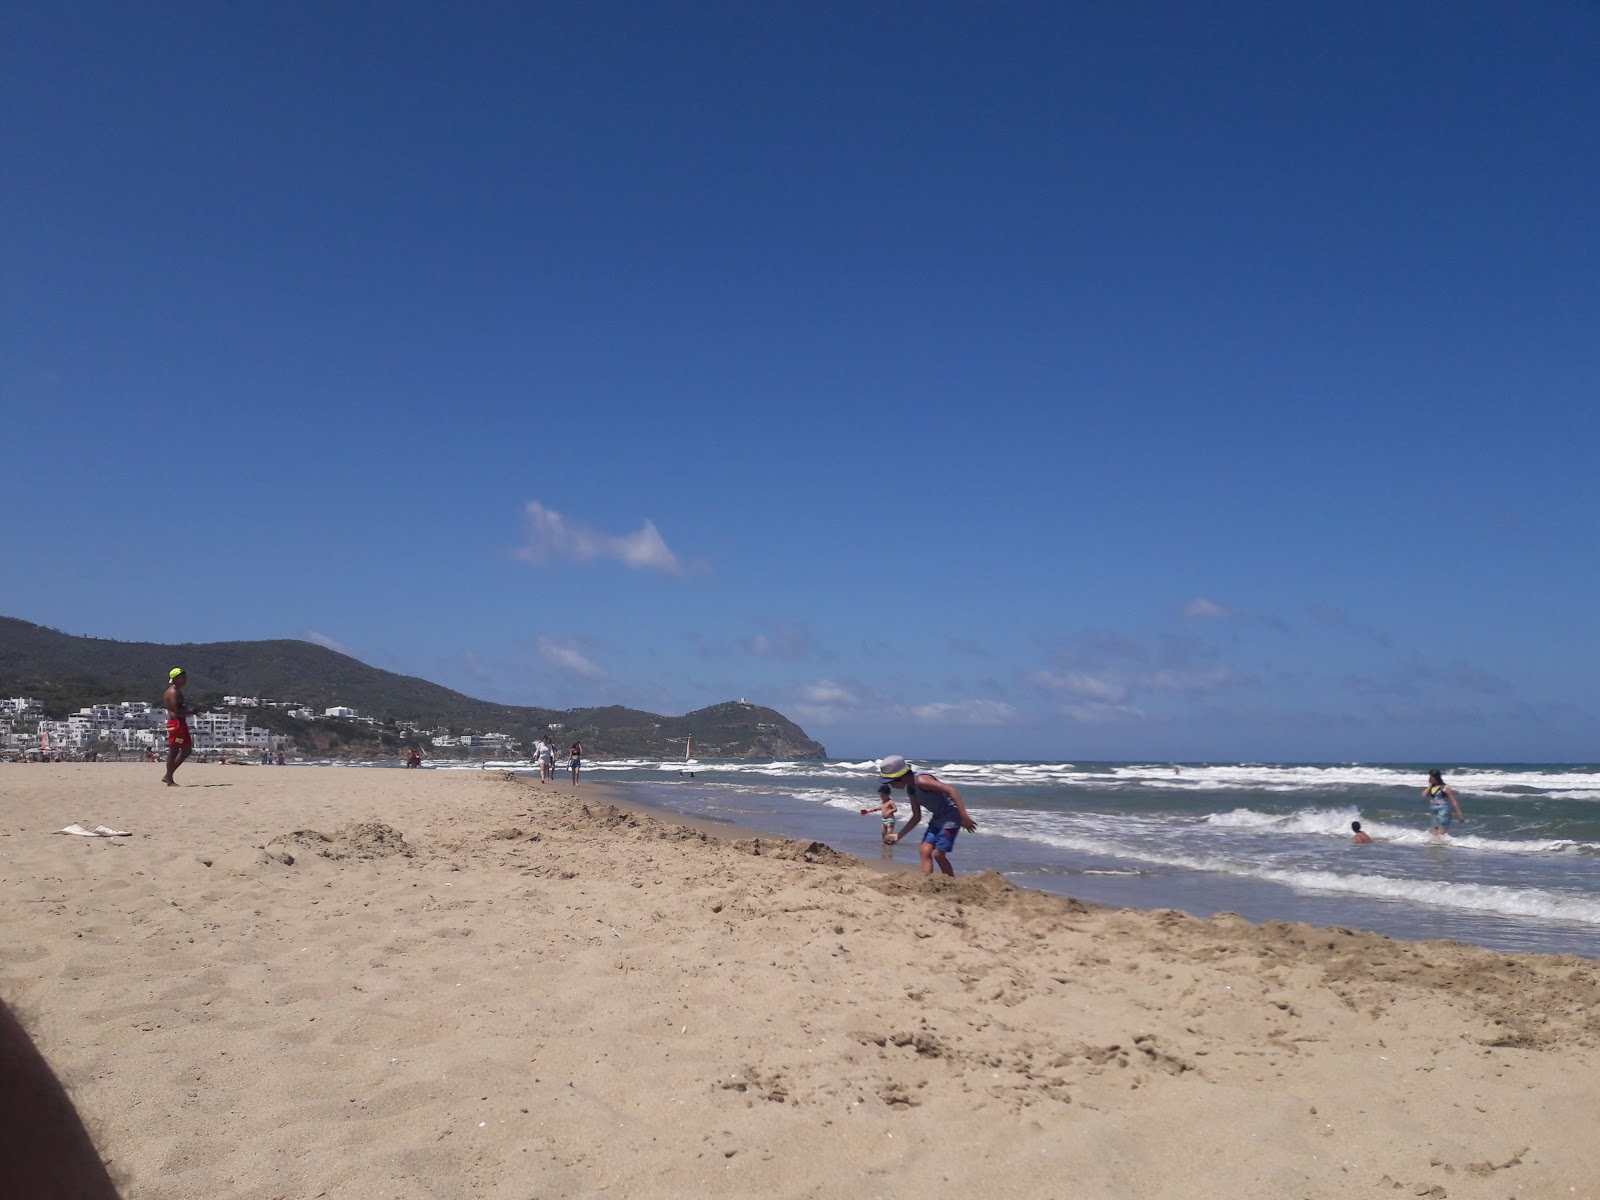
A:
1362, 838
886, 810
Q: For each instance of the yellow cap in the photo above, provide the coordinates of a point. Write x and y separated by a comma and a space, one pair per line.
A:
175, 672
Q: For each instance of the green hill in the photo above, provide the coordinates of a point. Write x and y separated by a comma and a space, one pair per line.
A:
67, 673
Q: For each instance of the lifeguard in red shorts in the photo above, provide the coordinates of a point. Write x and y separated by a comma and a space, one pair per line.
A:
180, 742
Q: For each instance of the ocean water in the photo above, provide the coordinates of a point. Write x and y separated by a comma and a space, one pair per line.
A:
1266, 841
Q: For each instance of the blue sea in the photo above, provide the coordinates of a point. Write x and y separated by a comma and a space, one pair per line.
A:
1266, 841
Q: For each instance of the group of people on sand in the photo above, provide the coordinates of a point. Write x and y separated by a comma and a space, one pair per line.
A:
545, 753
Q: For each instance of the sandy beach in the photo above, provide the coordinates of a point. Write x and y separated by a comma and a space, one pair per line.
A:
345, 983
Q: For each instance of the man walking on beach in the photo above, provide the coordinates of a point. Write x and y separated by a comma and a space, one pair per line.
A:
180, 742
947, 815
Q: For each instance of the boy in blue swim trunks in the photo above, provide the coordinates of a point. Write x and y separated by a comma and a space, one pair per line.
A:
947, 815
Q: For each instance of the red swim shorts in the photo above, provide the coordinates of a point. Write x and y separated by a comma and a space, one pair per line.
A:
178, 734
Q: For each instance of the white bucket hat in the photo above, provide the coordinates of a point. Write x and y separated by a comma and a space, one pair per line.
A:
893, 767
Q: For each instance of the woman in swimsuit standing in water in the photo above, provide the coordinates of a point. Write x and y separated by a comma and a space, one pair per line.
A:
1438, 796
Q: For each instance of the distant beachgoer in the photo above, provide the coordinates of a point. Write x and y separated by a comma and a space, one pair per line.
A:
1441, 800
947, 815
547, 760
886, 811
1362, 838
180, 742
575, 759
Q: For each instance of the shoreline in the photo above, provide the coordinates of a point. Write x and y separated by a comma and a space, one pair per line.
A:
1207, 848
464, 985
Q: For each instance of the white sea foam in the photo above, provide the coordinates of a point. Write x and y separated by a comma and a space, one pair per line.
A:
1550, 904
1336, 822
1479, 897
1305, 820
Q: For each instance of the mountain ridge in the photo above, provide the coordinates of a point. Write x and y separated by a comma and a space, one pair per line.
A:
67, 672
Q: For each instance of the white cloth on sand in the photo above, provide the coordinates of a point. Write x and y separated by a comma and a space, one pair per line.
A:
98, 831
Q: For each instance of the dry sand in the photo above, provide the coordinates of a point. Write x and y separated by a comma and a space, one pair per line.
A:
468, 986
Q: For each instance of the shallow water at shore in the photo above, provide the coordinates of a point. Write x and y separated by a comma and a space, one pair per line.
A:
1264, 841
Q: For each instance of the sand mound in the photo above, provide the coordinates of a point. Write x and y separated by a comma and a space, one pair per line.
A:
362, 842
792, 850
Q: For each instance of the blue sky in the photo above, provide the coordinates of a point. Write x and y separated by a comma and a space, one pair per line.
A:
1015, 380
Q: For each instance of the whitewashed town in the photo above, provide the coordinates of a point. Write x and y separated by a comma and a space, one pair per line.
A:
135, 726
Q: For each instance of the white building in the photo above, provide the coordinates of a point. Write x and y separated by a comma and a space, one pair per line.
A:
219, 730
340, 711
64, 735
475, 741
135, 725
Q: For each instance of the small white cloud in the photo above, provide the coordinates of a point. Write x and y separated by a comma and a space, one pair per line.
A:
966, 712
553, 537
827, 692
322, 639
567, 657
1201, 609
474, 665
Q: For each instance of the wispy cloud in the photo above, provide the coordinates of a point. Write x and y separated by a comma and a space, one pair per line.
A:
556, 538
1111, 689
1201, 609
1102, 714
1463, 676
1081, 683
827, 702
1418, 678
781, 639
966, 712
566, 656
1104, 645
475, 665
1203, 680
826, 691
322, 639
1329, 614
